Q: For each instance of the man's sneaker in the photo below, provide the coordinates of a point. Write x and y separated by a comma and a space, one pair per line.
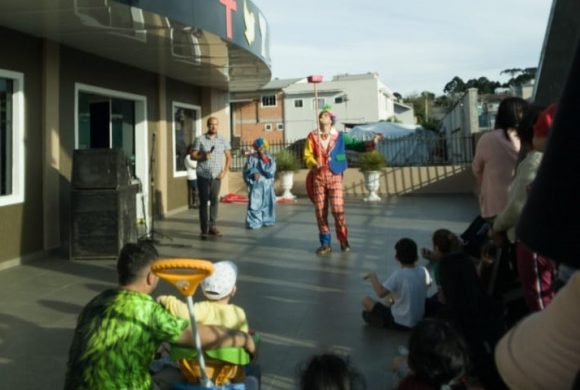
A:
344, 246
324, 250
214, 232
203, 236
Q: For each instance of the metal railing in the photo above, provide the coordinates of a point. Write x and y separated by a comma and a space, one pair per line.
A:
240, 154
398, 152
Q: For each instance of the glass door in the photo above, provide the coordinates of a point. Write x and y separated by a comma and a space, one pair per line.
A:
107, 122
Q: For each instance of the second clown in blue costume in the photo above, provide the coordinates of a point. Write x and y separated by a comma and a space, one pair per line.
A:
259, 174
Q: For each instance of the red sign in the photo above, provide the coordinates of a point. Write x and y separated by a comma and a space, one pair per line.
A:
315, 79
231, 6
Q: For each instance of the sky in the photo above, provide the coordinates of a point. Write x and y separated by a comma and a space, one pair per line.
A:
414, 45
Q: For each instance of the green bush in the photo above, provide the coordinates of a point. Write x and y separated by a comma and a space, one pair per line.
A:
286, 161
371, 161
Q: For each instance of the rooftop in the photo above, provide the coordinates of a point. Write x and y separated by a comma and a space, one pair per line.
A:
278, 84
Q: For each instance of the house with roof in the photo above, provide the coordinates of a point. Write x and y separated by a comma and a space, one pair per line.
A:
356, 98
405, 113
260, 113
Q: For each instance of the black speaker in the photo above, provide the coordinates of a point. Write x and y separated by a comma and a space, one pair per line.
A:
102, 221
100, 169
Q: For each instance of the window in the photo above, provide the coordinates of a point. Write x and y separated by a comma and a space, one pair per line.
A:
11, 138
186, 126
268, 127
107, 122
340, 99
269, 101
298, 103
280, 126
321, 103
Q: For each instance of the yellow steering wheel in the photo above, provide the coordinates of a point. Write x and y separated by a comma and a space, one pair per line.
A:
184, 274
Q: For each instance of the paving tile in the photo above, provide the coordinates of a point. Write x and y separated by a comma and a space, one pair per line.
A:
301, 304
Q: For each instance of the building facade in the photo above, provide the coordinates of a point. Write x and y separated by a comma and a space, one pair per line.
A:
355, 99
260, 113
137, 76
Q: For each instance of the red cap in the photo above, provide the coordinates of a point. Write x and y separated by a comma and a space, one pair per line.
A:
315, 79
544, 123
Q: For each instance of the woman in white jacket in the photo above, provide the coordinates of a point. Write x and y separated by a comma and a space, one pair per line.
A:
535, 271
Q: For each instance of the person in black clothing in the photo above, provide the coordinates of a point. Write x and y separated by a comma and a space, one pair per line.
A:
438, 358
473, 313
329, 371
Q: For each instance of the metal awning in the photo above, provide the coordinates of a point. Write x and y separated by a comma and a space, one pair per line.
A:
187, 40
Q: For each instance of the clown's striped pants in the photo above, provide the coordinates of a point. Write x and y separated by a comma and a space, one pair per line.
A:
327, 188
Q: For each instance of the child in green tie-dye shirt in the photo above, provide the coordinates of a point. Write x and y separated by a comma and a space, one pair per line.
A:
119, 331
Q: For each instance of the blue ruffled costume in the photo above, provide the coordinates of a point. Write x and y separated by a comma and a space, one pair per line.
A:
262, 199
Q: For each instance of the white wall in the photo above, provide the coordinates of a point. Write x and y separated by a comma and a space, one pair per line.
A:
459, 124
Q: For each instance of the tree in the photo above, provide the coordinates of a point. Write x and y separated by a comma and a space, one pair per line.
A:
511, 72
519, 76
483, 85
418, 103
443, 101
429, 95
421, 101
455, 86
432, 124
526, 75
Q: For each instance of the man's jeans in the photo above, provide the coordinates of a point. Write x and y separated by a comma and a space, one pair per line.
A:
209, 190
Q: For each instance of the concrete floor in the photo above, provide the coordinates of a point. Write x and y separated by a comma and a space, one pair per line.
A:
300, 303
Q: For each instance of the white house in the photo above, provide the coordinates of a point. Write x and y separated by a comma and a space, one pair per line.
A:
359, 98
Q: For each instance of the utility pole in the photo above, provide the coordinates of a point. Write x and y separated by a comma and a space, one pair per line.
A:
426, 107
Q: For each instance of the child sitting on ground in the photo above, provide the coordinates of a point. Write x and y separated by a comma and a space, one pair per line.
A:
445, 244
406, 290
438, 358
218, 288
329, 371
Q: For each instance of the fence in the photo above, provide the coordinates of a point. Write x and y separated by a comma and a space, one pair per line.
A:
398, 152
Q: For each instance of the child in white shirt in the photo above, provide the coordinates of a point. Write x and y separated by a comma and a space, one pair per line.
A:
405, 290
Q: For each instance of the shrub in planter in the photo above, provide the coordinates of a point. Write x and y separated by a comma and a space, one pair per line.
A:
371, 161
286, 161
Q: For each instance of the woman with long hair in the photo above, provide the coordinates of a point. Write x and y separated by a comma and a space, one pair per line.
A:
496, 156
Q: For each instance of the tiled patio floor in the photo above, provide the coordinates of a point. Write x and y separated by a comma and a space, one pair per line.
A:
301, 304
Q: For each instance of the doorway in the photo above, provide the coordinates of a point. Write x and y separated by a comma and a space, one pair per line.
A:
115, 120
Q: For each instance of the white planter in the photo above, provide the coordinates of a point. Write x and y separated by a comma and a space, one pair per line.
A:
286, 182
372, 184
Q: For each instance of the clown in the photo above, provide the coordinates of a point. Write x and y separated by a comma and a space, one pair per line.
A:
259, 176
325, 156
